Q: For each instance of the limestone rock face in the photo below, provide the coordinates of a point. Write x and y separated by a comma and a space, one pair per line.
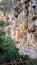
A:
23, 20
25, 33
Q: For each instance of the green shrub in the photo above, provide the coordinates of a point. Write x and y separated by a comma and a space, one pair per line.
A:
2, 23
2, 32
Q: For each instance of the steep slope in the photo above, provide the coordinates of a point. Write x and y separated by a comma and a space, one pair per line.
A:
23, 26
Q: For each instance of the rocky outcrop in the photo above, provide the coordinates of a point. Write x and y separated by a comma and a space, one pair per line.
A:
23, 27
25, 32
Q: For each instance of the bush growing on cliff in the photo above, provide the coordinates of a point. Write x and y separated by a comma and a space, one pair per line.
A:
7, 49
2, 23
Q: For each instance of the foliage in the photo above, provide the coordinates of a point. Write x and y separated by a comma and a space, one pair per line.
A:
2, 23
7, 49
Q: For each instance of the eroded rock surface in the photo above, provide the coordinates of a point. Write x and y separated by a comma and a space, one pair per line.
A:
23, 27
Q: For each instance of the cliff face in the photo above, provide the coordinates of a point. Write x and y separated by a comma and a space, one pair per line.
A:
23, 26
25, 32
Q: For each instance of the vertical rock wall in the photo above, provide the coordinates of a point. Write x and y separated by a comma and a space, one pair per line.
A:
25, 31
23, 19
32, 28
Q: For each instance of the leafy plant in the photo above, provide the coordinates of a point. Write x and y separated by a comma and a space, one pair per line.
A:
7, 49
2, 23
